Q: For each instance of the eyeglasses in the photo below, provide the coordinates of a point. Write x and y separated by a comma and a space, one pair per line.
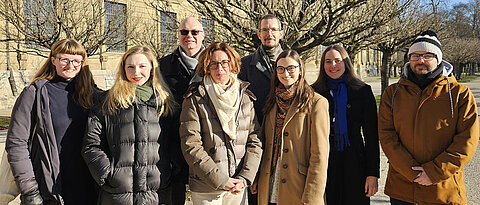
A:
425, 56
290, 69
273, 30
66, 61
223, 63
194, 32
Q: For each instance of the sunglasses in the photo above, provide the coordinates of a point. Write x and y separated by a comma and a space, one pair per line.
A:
185, 32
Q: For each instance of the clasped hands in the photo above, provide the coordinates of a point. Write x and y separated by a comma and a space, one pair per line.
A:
234, 186
422, 177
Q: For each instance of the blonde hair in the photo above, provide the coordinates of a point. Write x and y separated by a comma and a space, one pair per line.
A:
122, 93
83, 81
205, 58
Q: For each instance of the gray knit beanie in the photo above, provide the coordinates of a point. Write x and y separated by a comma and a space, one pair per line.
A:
427, 41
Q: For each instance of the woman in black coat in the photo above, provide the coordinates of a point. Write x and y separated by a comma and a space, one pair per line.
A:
46, 130
122, 145
354, 161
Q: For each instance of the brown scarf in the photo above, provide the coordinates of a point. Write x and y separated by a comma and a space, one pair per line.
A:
283, 98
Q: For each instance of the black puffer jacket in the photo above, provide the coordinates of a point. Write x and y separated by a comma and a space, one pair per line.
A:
123, 154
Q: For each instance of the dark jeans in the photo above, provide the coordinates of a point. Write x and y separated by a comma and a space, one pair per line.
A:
398, 202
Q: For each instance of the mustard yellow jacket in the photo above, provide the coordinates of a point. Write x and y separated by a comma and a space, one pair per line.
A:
429, 129
303, 156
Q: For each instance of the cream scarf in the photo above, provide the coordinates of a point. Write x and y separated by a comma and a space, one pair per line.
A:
226, 101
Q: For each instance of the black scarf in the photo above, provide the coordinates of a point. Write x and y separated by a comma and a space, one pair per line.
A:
427, 78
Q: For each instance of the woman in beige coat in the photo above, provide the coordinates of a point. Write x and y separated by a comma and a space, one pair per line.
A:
296, 128
218, 130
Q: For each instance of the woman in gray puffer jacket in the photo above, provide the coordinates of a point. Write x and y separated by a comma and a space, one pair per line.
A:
122, 145
218, 130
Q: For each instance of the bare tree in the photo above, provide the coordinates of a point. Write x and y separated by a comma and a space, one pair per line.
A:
462, 39
40, 23
460, 51
307, 23
401, 31
159, 34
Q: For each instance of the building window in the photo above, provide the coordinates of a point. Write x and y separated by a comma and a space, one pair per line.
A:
168, 28
115, 26
208, 28
40, 22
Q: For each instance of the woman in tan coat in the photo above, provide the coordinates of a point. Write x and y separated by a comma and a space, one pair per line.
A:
296, 128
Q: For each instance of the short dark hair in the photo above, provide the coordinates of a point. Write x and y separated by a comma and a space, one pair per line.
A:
270, 16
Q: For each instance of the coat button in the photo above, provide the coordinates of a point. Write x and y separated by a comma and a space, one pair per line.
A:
285, 134
285, 166
285, 150
284, 181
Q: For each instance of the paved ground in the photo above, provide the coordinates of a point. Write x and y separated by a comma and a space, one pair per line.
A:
472, 169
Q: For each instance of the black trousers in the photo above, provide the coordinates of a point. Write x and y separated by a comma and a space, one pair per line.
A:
398, 202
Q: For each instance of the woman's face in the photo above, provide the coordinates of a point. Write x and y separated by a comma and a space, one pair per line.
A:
219, 67
288, 71
67, 65
334, 65
137, 69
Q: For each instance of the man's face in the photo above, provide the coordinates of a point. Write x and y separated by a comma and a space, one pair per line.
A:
270, 33
188, 39
421, 62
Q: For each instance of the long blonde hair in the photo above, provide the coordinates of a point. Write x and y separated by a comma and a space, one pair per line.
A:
122, 94
83, 81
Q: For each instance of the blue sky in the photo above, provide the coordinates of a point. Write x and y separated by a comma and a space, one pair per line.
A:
450, 3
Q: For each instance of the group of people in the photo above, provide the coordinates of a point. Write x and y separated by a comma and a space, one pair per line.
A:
240, 131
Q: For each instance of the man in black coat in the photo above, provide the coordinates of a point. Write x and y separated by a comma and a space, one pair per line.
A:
257, 68
178, 70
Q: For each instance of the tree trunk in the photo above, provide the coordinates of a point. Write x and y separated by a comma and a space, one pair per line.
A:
11, 78
457, 70
385, 69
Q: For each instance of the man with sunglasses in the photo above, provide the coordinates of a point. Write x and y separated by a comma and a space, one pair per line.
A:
178, 70
257, 68
428, 129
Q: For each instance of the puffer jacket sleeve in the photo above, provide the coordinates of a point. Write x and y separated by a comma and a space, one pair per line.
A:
192, 147
95, 147
19, 131
314, 190
253, 153
398, 156
464, 143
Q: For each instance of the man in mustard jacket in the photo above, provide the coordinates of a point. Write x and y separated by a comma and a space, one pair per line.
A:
428, 129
